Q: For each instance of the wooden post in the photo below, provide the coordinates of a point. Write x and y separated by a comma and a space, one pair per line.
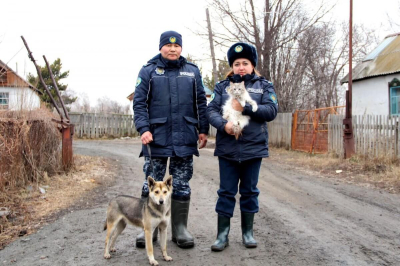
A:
67, 155
396, 144
294, 128
210, 38
348, 137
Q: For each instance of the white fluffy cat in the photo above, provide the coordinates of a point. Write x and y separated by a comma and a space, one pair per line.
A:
238, 91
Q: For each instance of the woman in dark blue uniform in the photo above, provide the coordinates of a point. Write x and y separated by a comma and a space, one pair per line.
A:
240, 160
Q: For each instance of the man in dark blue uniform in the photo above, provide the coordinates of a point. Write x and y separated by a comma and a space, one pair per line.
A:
170, 115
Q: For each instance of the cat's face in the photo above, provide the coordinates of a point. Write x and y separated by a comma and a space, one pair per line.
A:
236, 89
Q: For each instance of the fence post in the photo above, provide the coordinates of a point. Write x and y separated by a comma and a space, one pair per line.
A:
294, 127
397, 140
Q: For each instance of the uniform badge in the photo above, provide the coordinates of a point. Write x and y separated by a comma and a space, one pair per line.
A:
138, 81
273, 98
212, 97
238, 48
160, 71
172, 39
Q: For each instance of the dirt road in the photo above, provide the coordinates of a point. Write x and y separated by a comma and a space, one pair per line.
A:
303, 220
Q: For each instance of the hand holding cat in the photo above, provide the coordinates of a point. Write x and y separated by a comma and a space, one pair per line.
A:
236, 105
229, 128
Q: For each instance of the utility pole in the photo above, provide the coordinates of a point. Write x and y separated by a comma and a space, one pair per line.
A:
348, 137
210, 38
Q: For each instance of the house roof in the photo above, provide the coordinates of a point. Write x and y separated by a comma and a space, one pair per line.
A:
19, 80
382, 61
130, 96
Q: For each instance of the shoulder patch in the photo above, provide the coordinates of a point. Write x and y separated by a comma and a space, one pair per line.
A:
273, 98
138, 81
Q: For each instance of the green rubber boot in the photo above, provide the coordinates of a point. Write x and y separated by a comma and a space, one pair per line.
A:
224, 225
247, 230
179, 219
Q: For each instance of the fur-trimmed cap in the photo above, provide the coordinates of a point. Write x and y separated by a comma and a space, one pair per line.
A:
170, 37
242, 50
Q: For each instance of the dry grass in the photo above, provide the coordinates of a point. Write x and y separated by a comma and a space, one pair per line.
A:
380, 173
30, 209
30, 144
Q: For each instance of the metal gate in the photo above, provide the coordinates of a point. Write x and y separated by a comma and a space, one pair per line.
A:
310, 129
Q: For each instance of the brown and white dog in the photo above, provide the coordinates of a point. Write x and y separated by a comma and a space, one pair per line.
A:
147, 213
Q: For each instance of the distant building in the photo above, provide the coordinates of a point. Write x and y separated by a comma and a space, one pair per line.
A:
376, 80
15, 92
208, 94
130, 98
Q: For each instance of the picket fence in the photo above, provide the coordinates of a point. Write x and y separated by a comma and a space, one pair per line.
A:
95, 125
280, 131
374, 135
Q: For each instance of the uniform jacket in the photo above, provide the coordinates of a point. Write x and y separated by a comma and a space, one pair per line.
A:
170, 102
253, 143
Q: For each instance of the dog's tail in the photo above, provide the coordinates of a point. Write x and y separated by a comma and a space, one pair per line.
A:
105, 225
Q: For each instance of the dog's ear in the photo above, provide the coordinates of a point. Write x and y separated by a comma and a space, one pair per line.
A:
168, 181
151, 181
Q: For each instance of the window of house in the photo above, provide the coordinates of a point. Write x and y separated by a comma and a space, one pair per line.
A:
395, 100
4, 99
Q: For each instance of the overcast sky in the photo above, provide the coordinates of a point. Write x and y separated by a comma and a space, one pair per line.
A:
105, 43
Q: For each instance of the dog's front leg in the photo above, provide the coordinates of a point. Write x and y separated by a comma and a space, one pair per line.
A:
148, 234
163, 241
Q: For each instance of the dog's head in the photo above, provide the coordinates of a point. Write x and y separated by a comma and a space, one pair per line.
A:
160, 191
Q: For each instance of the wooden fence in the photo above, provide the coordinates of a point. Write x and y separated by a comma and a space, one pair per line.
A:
374, 135
91, 125
280, 131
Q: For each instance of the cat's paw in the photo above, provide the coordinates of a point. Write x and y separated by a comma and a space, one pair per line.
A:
254, 108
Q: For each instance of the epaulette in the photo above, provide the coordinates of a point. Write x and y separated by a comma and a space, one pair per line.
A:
266, 80
221, 81
193, 64
148, 64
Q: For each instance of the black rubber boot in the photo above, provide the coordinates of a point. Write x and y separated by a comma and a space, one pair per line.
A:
140, 240
224, 225
247, 230
179, 219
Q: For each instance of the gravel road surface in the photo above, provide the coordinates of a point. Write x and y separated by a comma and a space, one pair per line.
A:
304, 219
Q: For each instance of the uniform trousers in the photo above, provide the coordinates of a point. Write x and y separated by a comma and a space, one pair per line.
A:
236, 175
181, 169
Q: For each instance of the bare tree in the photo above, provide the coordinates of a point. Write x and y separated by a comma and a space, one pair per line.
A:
103, 105
394, 24
274, 30
300, 53
115, 107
